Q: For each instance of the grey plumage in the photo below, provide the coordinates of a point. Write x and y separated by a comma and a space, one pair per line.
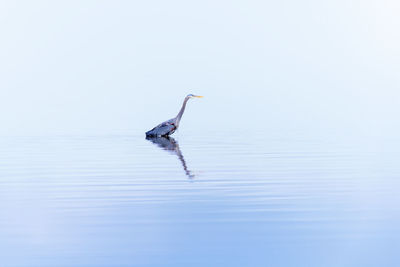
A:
163, 129
169, 127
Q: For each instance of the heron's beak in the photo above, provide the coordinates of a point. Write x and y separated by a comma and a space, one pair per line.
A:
199, 96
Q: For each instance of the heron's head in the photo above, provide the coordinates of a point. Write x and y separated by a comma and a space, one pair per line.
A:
193, 96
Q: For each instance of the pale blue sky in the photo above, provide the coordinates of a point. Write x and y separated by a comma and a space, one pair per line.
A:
112, 66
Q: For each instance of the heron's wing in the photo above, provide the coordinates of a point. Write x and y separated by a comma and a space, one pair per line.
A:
166, 123
164, 128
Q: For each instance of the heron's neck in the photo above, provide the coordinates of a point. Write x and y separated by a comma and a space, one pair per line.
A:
179, 116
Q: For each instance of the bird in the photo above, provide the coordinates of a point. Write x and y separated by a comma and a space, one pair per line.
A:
169, 127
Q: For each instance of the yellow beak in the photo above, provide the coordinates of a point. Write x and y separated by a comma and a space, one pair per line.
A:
199, 96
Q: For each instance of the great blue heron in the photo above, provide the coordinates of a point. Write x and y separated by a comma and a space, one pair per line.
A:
168, 127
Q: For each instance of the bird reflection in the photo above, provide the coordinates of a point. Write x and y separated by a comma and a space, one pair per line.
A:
170, 144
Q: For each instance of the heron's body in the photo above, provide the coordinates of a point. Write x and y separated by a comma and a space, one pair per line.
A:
163, 129
169, 127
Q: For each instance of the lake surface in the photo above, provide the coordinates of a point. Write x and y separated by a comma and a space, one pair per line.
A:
210, 199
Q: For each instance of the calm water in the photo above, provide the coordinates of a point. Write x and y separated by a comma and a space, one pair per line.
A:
214, 199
